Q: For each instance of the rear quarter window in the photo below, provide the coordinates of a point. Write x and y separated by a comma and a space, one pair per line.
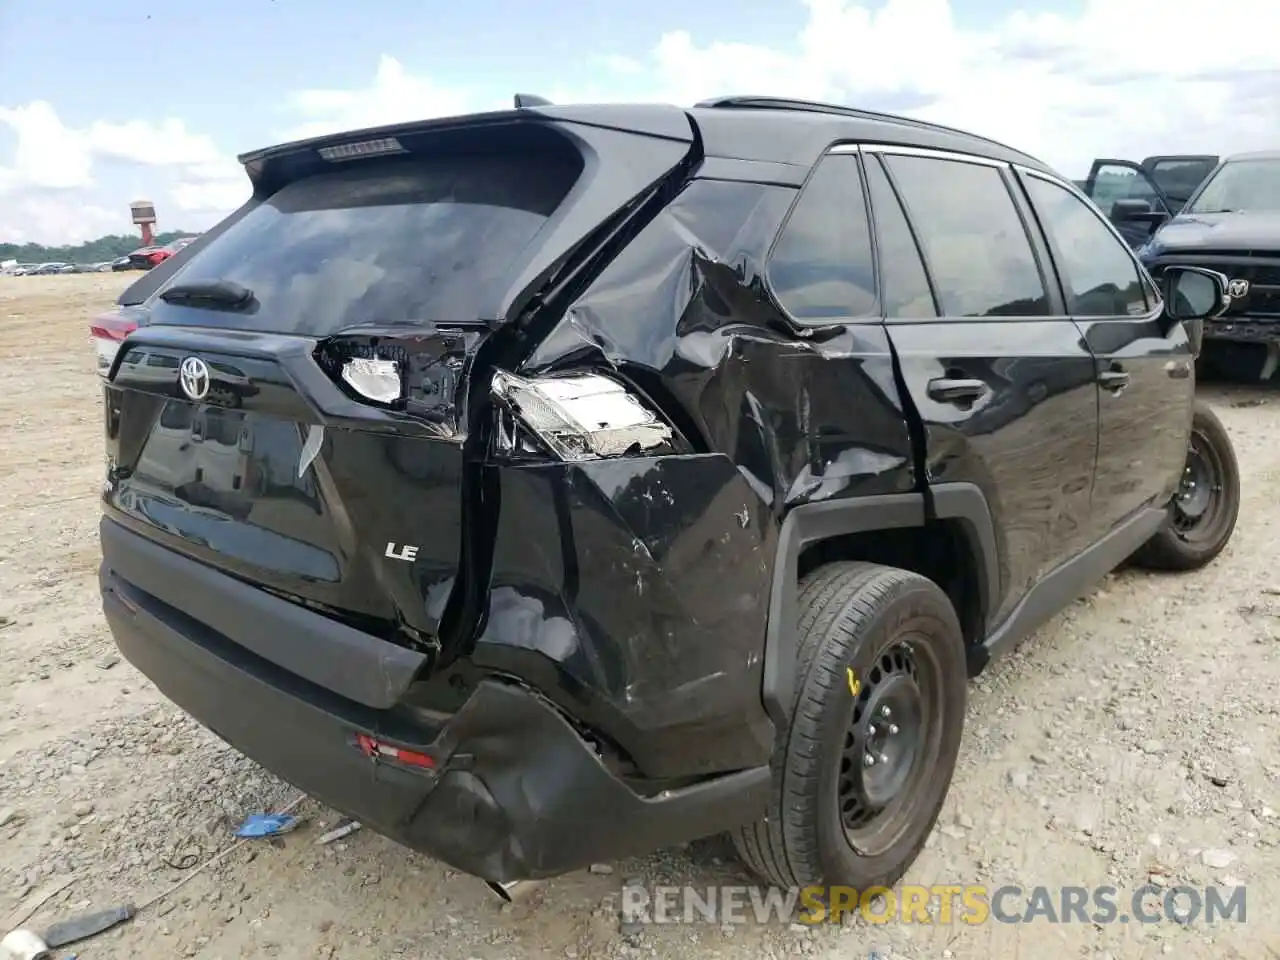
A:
822, 267
386, 242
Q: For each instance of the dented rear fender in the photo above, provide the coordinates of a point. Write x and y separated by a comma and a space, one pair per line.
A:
635, 593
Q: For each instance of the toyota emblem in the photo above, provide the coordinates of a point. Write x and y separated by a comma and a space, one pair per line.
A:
193, 375
1237, 289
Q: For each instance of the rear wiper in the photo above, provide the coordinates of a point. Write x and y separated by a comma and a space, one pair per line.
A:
222, 293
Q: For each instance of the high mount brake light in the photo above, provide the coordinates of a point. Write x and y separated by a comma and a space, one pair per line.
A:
106, 333
579, 417
363, 148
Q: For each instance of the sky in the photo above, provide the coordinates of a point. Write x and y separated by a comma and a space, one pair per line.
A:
105, 103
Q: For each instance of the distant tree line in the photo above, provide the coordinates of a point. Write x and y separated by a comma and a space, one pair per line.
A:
93, 251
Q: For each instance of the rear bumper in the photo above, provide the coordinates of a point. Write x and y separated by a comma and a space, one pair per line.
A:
517, 792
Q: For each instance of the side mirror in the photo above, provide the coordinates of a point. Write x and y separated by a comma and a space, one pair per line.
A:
1125, 209
1137, 211
1193, 295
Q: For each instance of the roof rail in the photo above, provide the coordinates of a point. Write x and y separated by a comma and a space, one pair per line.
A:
751, 102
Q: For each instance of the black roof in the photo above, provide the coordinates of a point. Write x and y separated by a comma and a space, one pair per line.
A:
769, 129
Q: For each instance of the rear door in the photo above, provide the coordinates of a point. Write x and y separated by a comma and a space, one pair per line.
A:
1000, 375
314, 437
1145, 377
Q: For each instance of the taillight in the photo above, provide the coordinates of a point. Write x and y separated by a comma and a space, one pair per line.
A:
583, 416
106, 333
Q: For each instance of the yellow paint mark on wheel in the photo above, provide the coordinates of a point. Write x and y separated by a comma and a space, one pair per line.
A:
854, 683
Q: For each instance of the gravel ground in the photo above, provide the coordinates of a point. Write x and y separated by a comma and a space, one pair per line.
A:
1133, 740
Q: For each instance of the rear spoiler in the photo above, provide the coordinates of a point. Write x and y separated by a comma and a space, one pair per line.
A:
653, 120
598, 133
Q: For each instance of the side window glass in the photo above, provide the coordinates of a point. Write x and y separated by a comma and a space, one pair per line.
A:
821, 267
974, 241
1101, 278
906, 287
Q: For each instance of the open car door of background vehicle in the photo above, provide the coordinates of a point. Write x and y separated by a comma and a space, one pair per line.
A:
1129, 197
1179, 175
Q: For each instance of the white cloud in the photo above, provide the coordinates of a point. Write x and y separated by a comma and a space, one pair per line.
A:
167, 143
53, 155
215, 196
48, 191
51, 219
48, 154
394, 96
212, 188
617, 63
1065, 87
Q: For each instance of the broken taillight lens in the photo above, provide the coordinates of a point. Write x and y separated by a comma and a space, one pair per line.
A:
377, 380
583, 416
106, 333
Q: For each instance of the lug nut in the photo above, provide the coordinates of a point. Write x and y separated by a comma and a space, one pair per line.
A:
893, 728
871, 730
886, 712
868, 760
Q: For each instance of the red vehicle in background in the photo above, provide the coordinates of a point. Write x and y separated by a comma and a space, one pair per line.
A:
108, 330
144, 258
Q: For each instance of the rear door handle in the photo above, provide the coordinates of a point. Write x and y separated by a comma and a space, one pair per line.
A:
948, 390
1114, 380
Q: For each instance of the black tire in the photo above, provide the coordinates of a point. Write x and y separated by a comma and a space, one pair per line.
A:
859, 616
1188, 541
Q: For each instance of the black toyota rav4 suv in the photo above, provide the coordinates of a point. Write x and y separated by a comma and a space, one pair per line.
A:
546, 486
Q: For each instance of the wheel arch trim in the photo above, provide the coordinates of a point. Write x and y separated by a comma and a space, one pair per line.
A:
812, 523
966, 504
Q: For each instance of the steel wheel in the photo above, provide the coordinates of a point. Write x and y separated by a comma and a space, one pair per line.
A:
1198, 506
891, 744
1202, 514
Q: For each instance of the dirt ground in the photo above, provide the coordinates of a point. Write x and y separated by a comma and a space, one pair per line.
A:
1135, 739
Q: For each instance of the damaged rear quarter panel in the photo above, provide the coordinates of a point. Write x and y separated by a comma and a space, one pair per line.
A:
632, 587
657, 571
806, 413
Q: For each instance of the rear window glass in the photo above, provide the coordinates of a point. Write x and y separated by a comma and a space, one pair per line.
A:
379, 242
1179, 178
